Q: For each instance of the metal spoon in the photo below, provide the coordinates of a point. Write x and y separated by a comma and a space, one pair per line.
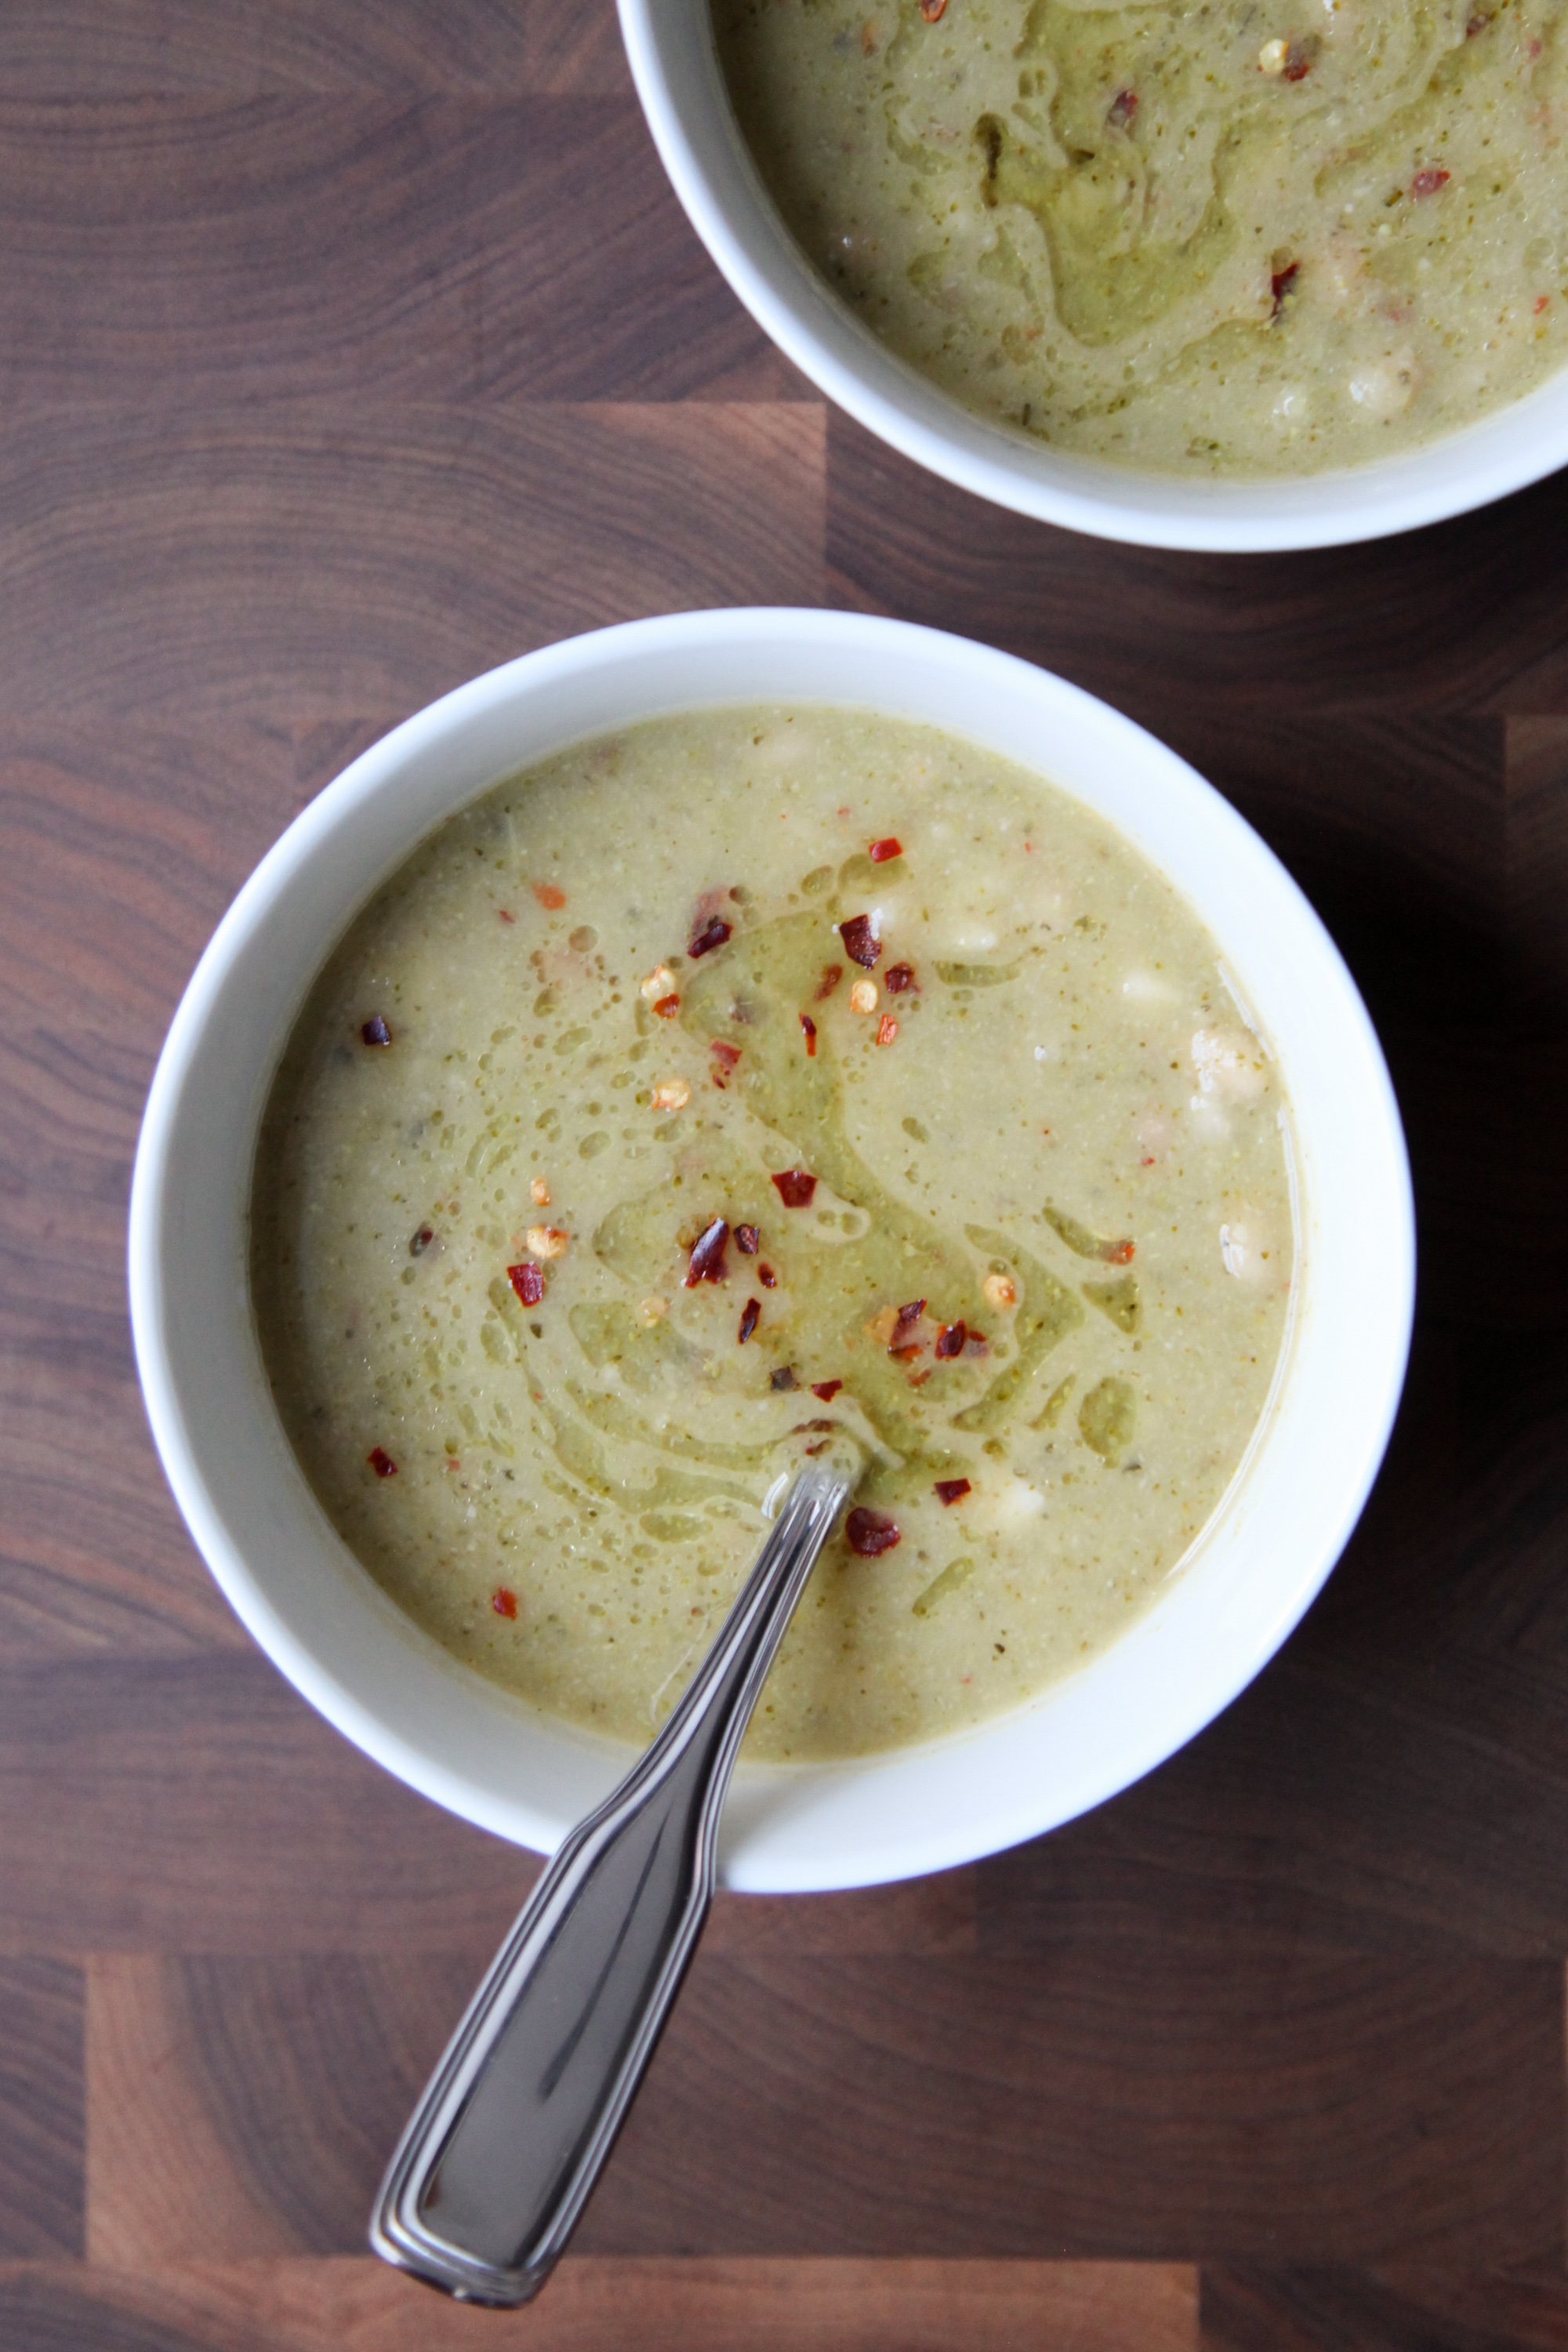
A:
501, 2152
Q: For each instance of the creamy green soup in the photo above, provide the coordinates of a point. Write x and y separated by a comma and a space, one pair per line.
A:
741, 1086
1234, 237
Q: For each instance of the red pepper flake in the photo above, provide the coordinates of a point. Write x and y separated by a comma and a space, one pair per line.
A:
725, 1056
713, 934
887, 1030
375, 1031
1281, 283
1428, 183
933, 10
382, 1463
795, 1188
421, 1242
868, 1533
708, 1255
809, 1025
826, 1390
528, 1281
666, 1007
898, 977
746, 1240
1119, 1252
767, 1277
504, 916
903, 1329
1122, 114
750, 1315
882, 850
861, 941
550, 895
952, 1490
1297, 64
503, 1600
832, 973
1540, 302
950, 1339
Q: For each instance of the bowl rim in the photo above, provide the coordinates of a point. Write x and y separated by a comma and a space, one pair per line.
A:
1468, 466
769, 1796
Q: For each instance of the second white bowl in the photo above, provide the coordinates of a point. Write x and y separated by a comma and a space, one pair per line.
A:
674, 63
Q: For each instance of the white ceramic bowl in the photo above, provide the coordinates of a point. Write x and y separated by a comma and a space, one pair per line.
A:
670, 45
489, 1756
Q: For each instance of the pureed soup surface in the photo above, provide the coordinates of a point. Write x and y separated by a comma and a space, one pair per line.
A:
1226, 239
743, 1084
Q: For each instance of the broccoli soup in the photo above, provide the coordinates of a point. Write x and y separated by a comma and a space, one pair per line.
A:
745, 1085
1226, 238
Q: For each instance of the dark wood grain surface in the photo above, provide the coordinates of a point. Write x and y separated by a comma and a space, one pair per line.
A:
345, 350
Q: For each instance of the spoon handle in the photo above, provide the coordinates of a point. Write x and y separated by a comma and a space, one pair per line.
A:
499, 2158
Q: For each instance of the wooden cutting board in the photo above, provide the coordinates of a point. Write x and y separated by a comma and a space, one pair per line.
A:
345, 350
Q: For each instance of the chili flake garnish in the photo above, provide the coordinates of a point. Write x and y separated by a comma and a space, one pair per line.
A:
795, 1188
898, 977
713, 934
1119, 1252
932, 10
546, 1240
727, 1054
950, 1339
783, 1378
749, 1316
1121, 113
550, 895
528, 1281
832, 973
708, 1255
375, 1032
746, 1240
1297, 64
868, 1533
382, 1463
903, 1329
767, 1277
861, 941
1428, 183
1281, 283
826, 1390
503, 1600
887, 1030
882, 850
809, 1025
421, 1242
666, 1007
952, 1490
